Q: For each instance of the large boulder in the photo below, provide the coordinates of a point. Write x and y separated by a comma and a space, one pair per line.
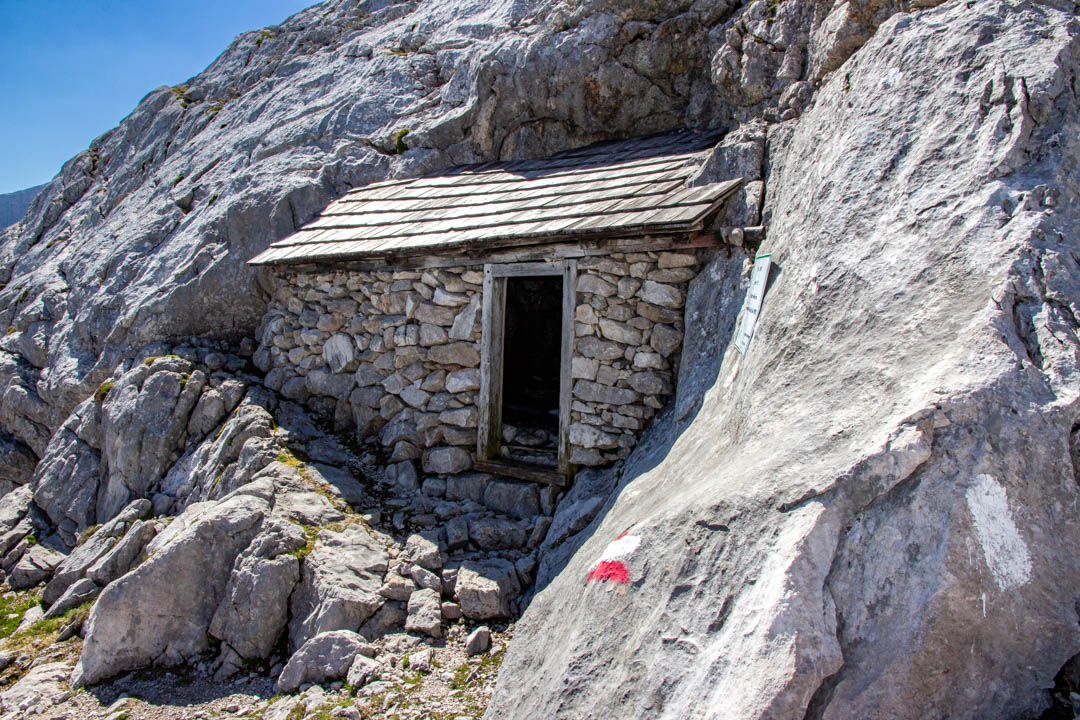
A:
339, 584
144, 422
326, 656
101, 544
160, 612
255, 610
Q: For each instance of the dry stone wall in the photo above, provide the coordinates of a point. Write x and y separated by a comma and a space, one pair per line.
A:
396, 353
628, 326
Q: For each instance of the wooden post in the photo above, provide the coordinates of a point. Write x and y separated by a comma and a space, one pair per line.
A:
566, 378
493, 322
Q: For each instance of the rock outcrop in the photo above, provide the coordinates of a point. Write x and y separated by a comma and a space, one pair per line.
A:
232, 551
870, 513
161, 610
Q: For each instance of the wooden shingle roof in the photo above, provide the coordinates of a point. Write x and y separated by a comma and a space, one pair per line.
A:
617, 189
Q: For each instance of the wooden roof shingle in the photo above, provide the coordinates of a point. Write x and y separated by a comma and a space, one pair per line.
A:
623, 188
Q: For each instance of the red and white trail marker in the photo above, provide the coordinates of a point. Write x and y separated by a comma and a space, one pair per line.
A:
611, 566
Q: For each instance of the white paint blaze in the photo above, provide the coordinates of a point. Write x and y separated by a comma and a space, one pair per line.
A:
1006, 554
621, 547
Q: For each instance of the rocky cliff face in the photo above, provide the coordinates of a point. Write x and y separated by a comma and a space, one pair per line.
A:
870, 514
144, 235
13, 205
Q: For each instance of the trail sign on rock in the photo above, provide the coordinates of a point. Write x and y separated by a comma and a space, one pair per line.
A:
752, 304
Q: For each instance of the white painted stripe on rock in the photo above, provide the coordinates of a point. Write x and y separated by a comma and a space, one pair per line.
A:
620, 548
1004, 549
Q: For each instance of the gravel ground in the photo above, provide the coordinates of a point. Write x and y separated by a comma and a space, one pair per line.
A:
452, 687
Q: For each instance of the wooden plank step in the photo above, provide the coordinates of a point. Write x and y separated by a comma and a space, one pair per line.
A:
521, 472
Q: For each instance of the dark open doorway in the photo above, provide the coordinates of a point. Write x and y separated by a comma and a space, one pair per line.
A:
527, 347
532, 369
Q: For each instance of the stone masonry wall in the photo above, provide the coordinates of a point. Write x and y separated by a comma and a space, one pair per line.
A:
628, 326
396, 353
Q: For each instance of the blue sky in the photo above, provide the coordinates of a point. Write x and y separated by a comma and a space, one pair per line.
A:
72, 69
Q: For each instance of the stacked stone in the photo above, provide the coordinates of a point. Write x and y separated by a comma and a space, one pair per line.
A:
395, 353
628, 329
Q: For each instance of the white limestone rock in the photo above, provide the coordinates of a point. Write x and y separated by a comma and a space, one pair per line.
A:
159, 612
822, 526
325, 657
485, 588
425, 613
254, 610
339, 585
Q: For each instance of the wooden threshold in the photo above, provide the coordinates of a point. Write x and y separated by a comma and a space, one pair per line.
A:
521, 472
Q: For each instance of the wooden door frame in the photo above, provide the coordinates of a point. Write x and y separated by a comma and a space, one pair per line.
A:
492, 360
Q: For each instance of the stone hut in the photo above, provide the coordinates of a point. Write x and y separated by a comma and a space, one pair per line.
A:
518, 318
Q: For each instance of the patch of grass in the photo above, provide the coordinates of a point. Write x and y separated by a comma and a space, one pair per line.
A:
88, 533
178, 92
12, 610
217, 107
399, 140
10, 330
398, 53
212, 199
103, 391
51, 626
154, 358
264, 35
184, 377
461, 676
286, 457
468, 678
22, 296
176, 181
323, 712
312, 533
297, 713
41, 636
